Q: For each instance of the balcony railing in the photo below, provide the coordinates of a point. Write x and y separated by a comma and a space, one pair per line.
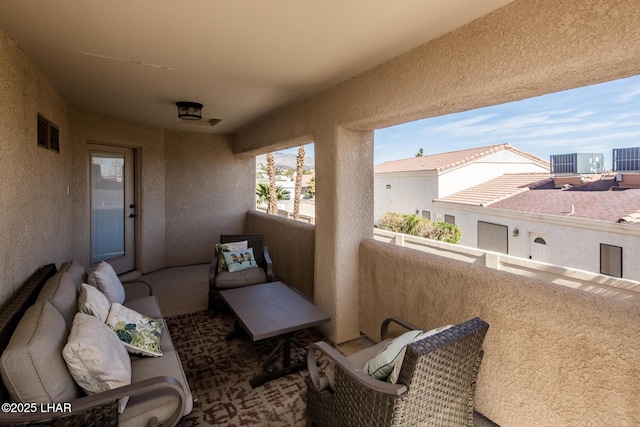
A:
611, 287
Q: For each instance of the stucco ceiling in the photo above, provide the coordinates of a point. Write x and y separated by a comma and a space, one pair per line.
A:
133, 60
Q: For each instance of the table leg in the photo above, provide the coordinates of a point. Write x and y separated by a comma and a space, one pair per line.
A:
238, 331
271, 372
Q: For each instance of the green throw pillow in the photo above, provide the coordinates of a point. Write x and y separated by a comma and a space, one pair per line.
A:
139, 334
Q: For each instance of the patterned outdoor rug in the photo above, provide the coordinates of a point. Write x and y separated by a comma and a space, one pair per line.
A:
219, 372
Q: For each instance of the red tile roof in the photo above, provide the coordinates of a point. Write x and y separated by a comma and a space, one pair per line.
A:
499, 188
444, 161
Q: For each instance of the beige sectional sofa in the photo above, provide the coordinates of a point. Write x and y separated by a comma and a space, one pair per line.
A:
34, 371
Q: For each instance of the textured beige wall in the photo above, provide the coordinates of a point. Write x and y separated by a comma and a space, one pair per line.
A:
209, 191
554, 356
291, 247
35, 211
150, 148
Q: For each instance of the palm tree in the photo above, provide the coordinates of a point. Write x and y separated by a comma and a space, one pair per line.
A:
298, 187
263, 193
311, 188
273, 197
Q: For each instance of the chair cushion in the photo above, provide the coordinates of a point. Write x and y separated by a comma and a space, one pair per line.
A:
32, 366
139, 334
92, 301
357, 359
382, 364
221, 248
61, 292
106, 280
228, 280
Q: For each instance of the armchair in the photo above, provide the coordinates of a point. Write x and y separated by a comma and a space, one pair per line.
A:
220, 280
435, 386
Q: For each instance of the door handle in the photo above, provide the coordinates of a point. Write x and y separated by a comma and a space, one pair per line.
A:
132, 215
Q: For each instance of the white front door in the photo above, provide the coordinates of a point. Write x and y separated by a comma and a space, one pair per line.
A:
112, 206
537, 248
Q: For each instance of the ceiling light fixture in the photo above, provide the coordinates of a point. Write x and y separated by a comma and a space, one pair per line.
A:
189, 110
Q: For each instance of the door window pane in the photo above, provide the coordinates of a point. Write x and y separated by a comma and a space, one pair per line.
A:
107, 207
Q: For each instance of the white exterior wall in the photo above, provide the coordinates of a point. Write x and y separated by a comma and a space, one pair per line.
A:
413, 192
571, 242
410, 193
484, 169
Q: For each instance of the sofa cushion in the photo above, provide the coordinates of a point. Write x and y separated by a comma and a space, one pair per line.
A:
32, 366
147, 306
62, 293
106, 280
77, 272
139, 334
252, 276
159, 404
92, 301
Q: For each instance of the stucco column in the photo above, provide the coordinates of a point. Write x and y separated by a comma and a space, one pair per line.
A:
344, 216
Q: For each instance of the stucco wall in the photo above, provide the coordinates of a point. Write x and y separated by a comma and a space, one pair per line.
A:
35, 213
209, 190
291, 247
553, 356
150, 148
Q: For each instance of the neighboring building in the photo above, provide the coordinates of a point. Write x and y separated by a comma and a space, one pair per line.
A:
591, 224
409, 186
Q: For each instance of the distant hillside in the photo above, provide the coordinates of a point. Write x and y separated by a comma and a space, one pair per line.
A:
286, 161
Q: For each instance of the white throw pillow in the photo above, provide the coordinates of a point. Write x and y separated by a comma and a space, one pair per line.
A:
92, 301
382, 364
95, 357
106, 280
221, 248
393, 377
139, 334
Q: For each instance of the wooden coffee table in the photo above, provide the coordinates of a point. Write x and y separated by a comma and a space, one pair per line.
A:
272, 310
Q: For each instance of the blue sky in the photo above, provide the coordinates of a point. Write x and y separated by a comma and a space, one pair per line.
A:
591, 119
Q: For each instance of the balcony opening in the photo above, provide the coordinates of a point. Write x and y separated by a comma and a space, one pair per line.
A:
501, 165
285, 171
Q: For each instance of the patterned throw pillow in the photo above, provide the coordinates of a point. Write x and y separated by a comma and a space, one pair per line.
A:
221, 248
240, 260
382, 364
139, 334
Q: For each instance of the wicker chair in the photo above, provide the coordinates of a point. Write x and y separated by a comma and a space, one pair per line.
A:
220, 280
435, 387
